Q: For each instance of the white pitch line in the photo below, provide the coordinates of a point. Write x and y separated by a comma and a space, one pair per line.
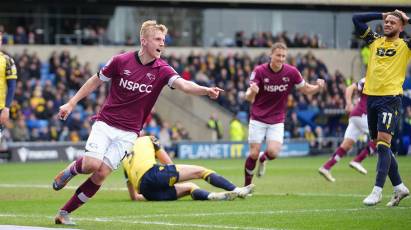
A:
17, 227
125, 189
116, 220
127, 219
43, 186
208, 226
268, 212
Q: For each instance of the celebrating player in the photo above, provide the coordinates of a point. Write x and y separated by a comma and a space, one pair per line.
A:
137, 79
383, 85
147, 180
270, 85
357, 126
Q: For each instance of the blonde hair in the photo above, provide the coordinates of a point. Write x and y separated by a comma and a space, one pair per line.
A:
151, 25
278, 45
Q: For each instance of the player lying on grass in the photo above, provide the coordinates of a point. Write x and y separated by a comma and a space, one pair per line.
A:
147, 180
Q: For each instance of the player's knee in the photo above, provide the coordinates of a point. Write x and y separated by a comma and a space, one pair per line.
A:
205, 172
384, 137
101, 174
254, 154
347, 144
91, 165
273, 153
192, 186
198, 172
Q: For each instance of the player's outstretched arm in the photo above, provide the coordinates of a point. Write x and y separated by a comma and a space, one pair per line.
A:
192, 88
309, 89
88, 87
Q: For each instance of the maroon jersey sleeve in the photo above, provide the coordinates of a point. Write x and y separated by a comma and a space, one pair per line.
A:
297, 79
169, 74
109, 70
255, 77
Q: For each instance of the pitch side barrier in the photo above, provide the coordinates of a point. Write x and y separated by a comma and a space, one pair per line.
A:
67, 151
45, 151
231, 150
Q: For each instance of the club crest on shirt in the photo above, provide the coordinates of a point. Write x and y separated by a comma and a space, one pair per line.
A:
150, 76
127, 72
286, 79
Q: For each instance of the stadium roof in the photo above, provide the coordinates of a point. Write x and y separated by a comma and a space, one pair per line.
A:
333, 5
406, 3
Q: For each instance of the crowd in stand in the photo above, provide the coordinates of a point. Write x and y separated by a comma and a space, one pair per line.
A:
69, 34
93, 34
266, 39
231, 73
43, 87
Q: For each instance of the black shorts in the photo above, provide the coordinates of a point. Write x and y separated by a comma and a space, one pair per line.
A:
158, 183
1, 125
383, 114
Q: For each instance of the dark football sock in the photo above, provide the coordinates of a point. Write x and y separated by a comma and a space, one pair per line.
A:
83, 193
199, 194
383, 164
220, 182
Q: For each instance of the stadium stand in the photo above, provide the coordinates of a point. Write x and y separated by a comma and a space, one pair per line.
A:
43, 87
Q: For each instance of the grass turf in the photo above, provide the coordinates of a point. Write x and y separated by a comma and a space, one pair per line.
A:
292, 195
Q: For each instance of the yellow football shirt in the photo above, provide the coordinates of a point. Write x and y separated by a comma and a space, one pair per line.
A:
7, 71
387, 65
142, 159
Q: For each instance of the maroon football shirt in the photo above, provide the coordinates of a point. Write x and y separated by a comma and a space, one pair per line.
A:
134, 90
271, 101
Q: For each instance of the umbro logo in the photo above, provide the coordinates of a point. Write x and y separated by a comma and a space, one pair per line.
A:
266, 80
286, 79
127, 72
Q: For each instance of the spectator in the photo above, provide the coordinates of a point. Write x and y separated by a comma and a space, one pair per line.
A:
21, 36
20, 132
309, 136
215, 125
165, 138
237, 132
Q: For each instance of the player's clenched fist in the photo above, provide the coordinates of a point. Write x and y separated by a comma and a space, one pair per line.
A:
65, 110
321, 83
254, 88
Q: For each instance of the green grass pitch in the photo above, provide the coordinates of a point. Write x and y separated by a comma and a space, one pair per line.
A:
291, 195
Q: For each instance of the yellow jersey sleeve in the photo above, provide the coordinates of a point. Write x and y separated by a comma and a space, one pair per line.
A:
370, 36
7, 72
11, 70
